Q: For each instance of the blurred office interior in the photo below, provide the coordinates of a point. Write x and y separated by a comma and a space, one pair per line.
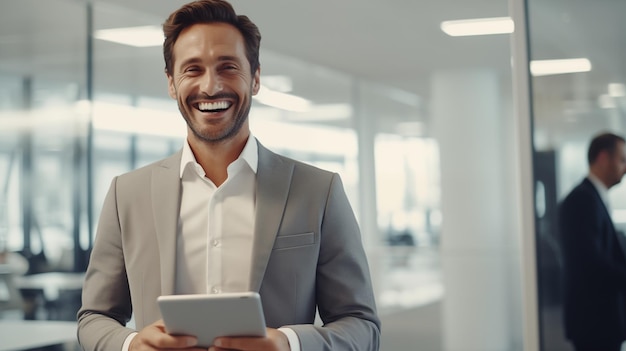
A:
437, 143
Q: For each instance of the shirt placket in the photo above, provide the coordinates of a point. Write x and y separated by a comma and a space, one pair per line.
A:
214, 247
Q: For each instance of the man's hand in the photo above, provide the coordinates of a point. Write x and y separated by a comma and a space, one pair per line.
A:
154, 337
274, 341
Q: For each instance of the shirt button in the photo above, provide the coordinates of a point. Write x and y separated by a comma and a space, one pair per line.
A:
216, 290
215, 242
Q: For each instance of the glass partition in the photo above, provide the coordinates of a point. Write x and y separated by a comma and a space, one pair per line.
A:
43, 138
572, 101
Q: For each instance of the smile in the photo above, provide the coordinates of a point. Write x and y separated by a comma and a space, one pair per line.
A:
214, 106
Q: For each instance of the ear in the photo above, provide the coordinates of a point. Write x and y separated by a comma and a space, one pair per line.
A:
603, 158
604, 155
171, 88
256, 81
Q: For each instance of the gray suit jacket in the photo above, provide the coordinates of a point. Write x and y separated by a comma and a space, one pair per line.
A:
307, 253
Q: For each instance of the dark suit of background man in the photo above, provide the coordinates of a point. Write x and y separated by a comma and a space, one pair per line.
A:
594, 264
225, 214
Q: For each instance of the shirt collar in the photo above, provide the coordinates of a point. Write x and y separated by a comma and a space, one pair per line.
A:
249, 154
600, 187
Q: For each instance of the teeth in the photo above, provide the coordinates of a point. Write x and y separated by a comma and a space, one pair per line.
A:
210, 106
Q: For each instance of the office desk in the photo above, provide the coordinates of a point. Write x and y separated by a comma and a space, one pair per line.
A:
51, 283
53, 295
10, 297
23, 335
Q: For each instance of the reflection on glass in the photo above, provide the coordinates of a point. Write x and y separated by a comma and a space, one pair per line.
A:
568, 109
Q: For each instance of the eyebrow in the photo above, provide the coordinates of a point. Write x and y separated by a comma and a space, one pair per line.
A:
220, 59
228, 58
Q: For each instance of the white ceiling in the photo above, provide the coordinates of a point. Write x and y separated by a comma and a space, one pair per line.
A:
395, 42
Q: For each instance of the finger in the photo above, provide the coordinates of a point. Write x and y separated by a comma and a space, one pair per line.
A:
154, 336
216, 348
241, 343
164, 341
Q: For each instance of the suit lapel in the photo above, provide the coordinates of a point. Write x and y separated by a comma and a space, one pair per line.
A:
601, 203
273, 181
613, 234
165, 190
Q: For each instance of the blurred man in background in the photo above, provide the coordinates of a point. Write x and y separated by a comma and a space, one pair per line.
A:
594, 263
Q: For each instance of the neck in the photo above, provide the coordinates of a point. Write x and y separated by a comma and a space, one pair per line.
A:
600, 176
215, 157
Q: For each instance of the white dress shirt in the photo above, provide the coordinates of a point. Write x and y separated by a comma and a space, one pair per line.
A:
216, 226
216, 229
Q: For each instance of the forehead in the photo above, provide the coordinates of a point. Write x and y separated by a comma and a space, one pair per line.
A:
209, 40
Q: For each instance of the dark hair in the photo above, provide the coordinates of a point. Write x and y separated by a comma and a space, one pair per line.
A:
210, 11
603, 142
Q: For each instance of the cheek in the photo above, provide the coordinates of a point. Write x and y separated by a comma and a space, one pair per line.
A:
181, 92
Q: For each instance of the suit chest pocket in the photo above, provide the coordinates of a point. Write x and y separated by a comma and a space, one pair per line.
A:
294, 240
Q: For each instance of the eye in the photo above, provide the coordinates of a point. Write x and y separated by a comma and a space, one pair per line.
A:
192, 69
229, 67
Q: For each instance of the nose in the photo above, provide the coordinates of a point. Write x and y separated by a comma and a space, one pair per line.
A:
211, 83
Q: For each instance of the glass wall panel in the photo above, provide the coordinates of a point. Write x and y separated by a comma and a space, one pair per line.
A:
571, 103
43, 154
406, 184
43, 76
11, 235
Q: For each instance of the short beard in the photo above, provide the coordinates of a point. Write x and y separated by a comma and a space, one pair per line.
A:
230, 131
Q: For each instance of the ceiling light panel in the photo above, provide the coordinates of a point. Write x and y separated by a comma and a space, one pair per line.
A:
478, 26
143, 36
550, 67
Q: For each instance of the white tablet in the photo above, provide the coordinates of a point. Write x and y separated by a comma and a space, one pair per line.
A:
209, 316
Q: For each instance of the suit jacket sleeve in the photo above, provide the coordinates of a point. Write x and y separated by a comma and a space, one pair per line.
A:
344, 293
106, 298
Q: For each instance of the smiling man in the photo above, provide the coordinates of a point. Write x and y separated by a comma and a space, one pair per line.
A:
225, 214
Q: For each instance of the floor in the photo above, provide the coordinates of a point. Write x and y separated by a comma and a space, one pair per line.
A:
414, 329
409, 295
